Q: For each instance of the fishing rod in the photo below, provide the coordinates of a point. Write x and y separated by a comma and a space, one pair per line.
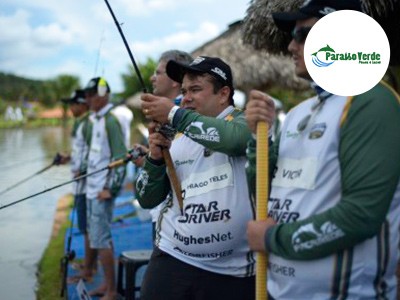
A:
167, 156
127, 47
132, 155
56, 162
68, 256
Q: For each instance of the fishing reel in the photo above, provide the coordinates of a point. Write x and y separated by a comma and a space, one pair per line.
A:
135, 153
167, 131
70, 255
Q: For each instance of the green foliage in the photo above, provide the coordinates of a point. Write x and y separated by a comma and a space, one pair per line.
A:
133, 86
290, 98
131, 80
15, 89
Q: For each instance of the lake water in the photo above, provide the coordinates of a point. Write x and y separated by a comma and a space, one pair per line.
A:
25, 227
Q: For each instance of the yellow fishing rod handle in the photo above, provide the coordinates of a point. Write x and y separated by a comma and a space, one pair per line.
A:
262, 204
117, 163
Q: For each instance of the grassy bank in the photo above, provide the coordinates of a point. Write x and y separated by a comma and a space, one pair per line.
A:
49, 276
35, 123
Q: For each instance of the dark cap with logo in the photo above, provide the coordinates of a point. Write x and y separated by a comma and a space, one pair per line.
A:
77, 97
201, 64
97, 85
313, 8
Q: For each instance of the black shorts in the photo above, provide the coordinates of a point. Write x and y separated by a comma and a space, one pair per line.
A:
168, 278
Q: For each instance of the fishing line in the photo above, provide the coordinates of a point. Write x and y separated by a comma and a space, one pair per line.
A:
127, 47
132, 155
23, 162
56, 162
70, 254
165, 129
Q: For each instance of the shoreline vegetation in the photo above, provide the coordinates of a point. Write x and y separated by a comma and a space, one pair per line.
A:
35, 123
48, 272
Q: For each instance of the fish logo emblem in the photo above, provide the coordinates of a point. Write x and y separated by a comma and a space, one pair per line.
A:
317, 61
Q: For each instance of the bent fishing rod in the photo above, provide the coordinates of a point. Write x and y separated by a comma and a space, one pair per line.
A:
132, 155
56, 162
166, 130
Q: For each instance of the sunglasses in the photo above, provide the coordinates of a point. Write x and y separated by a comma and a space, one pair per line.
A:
300, 34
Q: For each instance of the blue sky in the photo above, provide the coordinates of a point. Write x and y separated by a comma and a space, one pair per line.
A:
41, 39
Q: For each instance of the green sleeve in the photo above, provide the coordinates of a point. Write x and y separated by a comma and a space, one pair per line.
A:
370, 169
229, 135
75, 126
118, 149
251, 165
152, 185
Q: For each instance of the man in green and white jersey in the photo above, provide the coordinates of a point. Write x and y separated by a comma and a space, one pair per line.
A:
106, 145
334, 208
201, 250
80, 140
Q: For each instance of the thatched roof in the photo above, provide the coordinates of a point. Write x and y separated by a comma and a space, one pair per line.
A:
260, 31
251, 68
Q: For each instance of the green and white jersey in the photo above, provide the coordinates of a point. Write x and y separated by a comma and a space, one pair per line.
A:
336, 197
210, 163
107, 144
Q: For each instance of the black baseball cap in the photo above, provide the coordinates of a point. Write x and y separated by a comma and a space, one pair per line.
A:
214, 66
313, 8
77, 97
95, 84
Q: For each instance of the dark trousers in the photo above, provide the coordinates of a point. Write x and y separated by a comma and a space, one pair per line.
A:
167, 278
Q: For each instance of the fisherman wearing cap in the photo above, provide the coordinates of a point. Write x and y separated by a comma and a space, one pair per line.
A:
81, 131
200, 252
334, 211
80, 134
106, 145
166, 87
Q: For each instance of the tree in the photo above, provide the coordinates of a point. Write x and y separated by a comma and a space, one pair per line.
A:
63, 86
131, 80
133, 86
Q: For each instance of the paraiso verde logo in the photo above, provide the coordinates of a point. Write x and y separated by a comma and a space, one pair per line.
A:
323, 51
346, 53
326, 56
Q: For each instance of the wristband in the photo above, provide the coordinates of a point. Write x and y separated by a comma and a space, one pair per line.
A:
171, 114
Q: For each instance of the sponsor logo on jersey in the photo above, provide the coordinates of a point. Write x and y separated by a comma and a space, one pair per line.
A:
201, 213
205, 255
210, 134
183, 162
282, 270
280, 210
209, 239
317, 131
142, 180
308, 237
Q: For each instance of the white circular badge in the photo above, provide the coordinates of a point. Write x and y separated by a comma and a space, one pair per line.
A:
347, 53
